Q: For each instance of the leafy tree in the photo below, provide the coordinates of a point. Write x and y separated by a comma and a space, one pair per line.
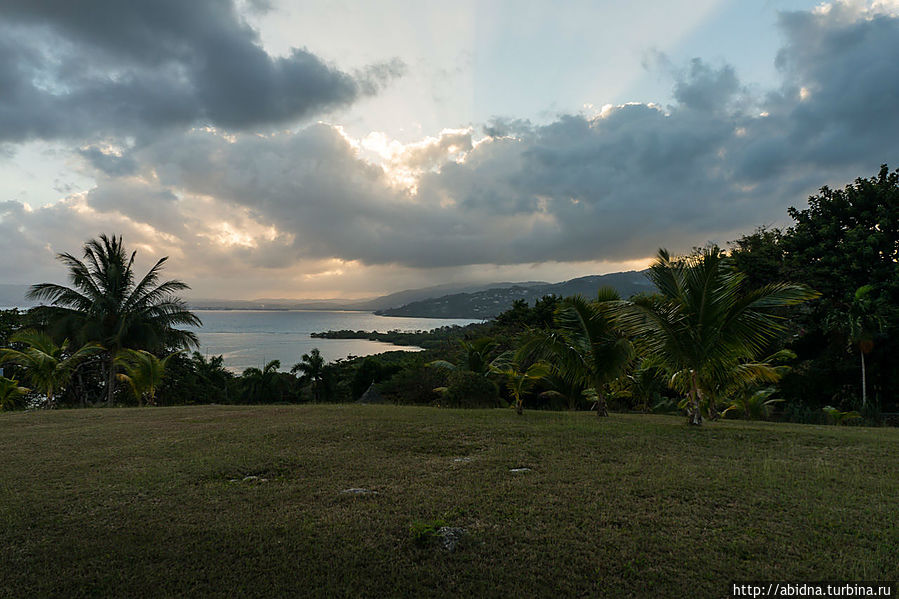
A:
372, 370
845, 240
47, 365
704, 321
108, 306
467, 389
311, 368
143, 373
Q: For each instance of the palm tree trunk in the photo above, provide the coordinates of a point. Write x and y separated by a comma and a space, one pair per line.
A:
519, 406
864, 382
602, 408
694, 413
81, 389
110, 380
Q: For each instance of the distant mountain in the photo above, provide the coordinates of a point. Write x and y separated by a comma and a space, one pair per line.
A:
369, 304
490, 302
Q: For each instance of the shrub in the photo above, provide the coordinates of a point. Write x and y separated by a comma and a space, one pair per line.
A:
467, 389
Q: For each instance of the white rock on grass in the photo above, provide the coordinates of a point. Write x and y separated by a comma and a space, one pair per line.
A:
519, 469
450, 537
357, 491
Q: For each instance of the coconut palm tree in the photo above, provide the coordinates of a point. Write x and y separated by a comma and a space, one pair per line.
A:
260, 386
477, 356
519, 380
863, 325
586, 348
311, 369
47, 365
704, 322
107, 305
143, 373
10, 394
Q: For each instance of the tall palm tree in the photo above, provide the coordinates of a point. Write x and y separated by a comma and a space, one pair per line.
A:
703, 322
107, 305
586, 348
143, 373
48, 366
311, 369
863, 325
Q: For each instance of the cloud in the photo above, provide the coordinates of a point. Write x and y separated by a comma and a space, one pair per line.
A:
105, 67
613, 186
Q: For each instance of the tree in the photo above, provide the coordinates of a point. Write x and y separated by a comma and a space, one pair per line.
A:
47, 365
107, 306
863, 323
143, 373
311, 368
519, 380
11, 394
260, 386
704, 322
586, 348
477, 356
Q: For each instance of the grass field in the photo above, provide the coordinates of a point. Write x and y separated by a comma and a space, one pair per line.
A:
140, 502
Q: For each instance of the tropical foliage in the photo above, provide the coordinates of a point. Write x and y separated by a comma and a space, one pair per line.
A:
704, 323
107, 305
48, 366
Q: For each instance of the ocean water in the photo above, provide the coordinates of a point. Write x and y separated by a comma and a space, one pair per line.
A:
251, 338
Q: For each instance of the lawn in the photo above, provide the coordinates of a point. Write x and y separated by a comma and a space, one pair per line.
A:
153, 502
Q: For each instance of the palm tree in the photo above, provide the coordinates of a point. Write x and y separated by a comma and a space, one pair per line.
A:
213, 375
48, 366
10, 393
106, 305
586, 348
311, 368
864, 324
703, 322
477, 356
520, 380
143, 373
263, 385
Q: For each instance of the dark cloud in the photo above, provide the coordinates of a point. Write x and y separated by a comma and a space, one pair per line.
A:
107, 67
613, 186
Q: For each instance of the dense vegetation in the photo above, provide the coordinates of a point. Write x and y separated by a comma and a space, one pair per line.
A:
797, 324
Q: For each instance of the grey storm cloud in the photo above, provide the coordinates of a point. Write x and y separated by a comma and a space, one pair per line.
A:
615, 186
95, 67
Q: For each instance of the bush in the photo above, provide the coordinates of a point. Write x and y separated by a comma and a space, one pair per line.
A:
467, 389
414, 385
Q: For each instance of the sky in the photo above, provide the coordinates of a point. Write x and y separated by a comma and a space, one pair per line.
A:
277, 148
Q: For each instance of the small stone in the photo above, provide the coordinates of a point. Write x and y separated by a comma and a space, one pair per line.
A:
519, 469
355, 491
450, 537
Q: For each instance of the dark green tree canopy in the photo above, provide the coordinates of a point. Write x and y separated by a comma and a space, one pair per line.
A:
106, 304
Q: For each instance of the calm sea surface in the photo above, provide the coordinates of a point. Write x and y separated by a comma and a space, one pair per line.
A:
248, 338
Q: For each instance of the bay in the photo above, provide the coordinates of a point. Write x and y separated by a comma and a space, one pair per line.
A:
251, 338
